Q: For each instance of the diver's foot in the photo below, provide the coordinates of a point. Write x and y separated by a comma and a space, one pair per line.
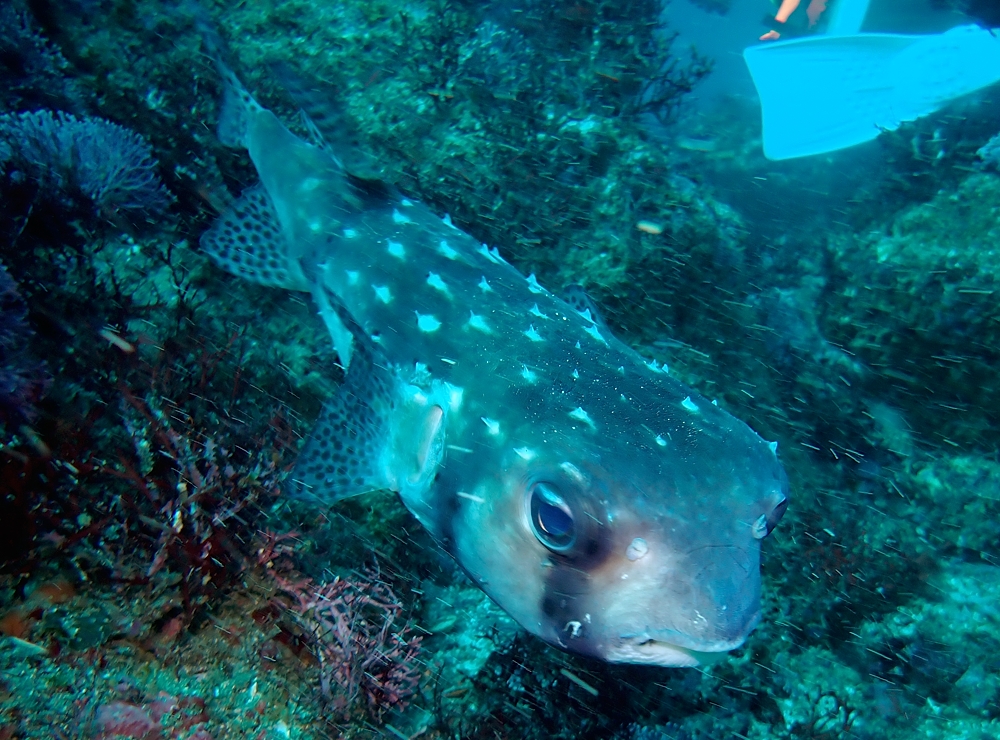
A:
770, 36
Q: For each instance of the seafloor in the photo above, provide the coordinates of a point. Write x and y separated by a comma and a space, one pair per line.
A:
155, 583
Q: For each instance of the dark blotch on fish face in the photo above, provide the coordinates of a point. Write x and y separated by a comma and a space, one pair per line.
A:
628, 554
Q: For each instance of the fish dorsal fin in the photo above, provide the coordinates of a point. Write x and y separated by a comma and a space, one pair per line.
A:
327, 122
247, 240
576, 296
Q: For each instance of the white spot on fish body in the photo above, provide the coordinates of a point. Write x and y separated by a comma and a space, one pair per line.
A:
492, 426
576, 374
383, 293
485, 286
573, 472
656, 367
535, 311
352, 277
447, 251
533, 335
427, 322
396, 249
773, 446
310, 183
350, 233
528, 374
399, 218
525, 454
434, 280
593, 331
478, 323
661, 441
637, 549
448, 222
586, 314
406, 202
493, 255
533, 285
315, 226
690, 405
580, 415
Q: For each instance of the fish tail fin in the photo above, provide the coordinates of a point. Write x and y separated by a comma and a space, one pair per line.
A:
248, 239
237, 102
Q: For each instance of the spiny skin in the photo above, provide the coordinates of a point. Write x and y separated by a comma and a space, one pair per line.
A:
488, 404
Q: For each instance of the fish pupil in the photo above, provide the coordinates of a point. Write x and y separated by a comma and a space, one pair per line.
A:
551, 518
553, 521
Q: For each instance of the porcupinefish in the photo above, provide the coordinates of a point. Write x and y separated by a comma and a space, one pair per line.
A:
608, 508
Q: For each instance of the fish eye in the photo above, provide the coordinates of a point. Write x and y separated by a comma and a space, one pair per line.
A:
551, 518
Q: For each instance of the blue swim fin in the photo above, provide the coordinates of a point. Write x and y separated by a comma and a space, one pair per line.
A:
823, 93
846, 17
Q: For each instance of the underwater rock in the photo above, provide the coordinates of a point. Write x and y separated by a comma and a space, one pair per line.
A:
918, 306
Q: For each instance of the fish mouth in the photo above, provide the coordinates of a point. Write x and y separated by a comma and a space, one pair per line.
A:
673, 649
648, 651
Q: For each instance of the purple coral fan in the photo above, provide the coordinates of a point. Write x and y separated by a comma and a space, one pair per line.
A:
108, 164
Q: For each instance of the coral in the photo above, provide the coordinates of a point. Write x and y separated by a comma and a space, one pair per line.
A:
34, 71
354, 631
189, 486
63, 156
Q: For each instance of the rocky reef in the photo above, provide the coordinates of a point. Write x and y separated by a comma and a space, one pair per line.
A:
155, 582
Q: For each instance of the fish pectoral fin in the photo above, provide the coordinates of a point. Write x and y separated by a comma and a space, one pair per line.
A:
418, 441
350, 449
419, 425
341, 457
